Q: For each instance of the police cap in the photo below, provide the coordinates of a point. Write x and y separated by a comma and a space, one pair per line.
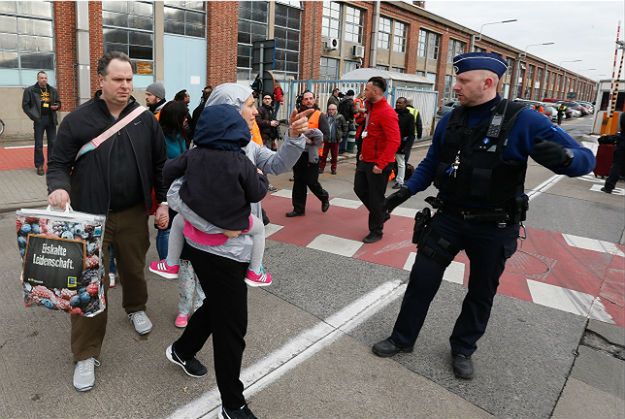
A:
480, 61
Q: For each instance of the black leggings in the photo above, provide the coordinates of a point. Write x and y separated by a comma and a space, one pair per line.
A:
224, 314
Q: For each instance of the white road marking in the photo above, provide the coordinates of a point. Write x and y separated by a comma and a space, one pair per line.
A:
404, 212
592, 178
564, 299
336, 245
592, 244
345, 203
598, 312
615, 191
282, 193
299, 349
544, 187
455, 273
410, 261
16, 147
272, 228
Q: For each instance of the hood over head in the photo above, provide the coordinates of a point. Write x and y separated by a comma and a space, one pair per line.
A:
221, 127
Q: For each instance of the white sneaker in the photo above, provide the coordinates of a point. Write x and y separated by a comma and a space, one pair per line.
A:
84, 374
141, 322
112, 280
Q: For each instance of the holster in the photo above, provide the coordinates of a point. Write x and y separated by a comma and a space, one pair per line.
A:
422, 223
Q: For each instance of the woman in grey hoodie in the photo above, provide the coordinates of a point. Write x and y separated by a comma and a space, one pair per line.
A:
222, 269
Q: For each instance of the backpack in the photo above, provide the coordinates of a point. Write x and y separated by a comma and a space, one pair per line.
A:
346, 108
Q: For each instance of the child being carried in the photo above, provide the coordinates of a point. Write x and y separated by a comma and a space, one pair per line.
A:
219, 184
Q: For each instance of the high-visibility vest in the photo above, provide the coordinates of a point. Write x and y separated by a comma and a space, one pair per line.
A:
256, 137
414, 112
313, 122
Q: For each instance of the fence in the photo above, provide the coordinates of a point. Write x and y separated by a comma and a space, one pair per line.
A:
426, 101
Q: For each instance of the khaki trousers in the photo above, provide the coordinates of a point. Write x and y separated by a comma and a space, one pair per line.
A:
127, 231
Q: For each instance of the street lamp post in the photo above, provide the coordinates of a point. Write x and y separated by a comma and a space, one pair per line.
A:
564, 75
518, 65
479, 36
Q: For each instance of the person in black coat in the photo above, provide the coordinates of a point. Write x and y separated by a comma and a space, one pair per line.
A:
266, 123
619, 159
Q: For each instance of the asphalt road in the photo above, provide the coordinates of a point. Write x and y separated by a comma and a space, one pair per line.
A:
309, 336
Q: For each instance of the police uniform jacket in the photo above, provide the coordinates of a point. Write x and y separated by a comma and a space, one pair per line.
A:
529, 128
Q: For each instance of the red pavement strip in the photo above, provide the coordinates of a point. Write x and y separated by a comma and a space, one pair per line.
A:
543, 257
17, 158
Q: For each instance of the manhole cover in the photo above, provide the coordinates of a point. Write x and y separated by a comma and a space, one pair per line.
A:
530, 265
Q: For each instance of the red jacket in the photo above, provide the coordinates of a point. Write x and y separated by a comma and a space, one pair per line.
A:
383, 139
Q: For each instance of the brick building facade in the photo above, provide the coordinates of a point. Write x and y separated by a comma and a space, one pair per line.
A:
408, 39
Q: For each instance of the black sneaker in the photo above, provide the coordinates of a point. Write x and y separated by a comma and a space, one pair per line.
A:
192, 367
606, 190
243, 412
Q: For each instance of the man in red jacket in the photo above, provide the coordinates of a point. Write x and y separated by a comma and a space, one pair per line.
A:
380, 140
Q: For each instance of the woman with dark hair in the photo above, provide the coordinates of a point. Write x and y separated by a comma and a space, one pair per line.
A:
172, 119
184, 97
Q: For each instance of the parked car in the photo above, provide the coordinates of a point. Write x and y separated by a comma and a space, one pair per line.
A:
589, 106
575, 106
447, 107
546, 109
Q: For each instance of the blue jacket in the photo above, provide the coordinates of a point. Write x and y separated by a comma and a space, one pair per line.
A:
529, 128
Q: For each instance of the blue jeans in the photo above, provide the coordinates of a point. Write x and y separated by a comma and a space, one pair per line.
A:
112, 266
162, 243
46, 125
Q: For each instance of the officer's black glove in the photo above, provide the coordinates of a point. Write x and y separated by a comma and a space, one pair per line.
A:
396, 198
551, 155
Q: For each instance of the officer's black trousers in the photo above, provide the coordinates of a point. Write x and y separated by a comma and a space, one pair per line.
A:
306, 175
370, 188
487, 248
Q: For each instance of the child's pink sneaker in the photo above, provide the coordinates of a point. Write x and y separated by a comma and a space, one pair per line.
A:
160, 267
261, 279
181, 320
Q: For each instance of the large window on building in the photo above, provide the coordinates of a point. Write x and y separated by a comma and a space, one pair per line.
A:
350, 66
331, 20
399, 36
449, 86
455, 48
329, 68
353, 24
128, 27
429, 44
384, 32
26, 42
287, 37
185, 18
253, 19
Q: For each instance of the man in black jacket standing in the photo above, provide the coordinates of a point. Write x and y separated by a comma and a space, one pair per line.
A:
40, 103
115, 179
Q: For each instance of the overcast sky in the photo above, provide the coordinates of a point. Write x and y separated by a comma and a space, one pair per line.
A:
584, 30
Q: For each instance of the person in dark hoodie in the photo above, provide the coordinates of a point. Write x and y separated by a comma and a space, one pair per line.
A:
220, 183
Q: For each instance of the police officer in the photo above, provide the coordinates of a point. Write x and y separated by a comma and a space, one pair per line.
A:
477, 160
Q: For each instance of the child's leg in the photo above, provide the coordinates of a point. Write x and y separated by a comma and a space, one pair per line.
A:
257, 231
176, 241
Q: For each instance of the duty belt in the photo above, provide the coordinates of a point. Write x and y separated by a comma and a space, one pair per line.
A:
495, 215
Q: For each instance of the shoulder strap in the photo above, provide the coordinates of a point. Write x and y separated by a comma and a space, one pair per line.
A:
97, 141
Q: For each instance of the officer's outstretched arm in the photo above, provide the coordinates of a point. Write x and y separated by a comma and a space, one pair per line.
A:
397, 198
549, 145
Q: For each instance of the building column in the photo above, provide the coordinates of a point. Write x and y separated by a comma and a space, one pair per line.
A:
310, 44
65, 47
96, 42
159, 41
222, 28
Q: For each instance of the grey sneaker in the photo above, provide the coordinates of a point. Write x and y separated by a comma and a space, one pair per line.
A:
84, 374
141, 322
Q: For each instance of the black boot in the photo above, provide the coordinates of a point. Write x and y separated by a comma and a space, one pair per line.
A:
387, 348
463, 366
